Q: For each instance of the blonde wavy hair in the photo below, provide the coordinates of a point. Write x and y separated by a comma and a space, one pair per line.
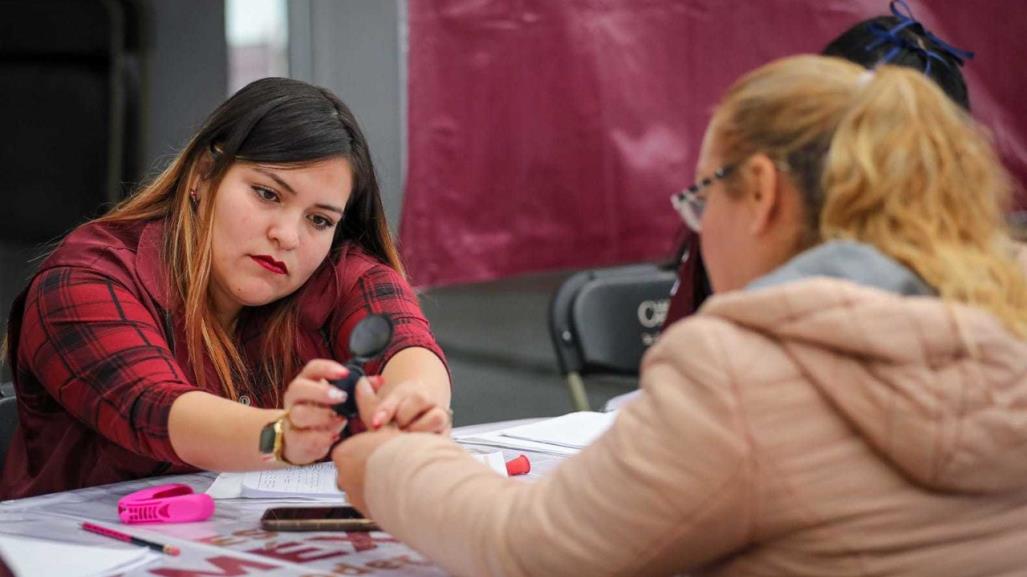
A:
883, 157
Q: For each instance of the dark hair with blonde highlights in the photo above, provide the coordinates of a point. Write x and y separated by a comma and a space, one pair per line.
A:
885, 158
273, 121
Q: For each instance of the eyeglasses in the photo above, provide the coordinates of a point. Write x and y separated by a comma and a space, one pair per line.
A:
690, 205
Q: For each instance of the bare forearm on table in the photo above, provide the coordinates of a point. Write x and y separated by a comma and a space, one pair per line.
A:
216, 434
419, 364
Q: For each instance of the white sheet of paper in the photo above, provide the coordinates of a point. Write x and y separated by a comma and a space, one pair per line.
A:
315, 481
573, 430
310, 481
38, 557
226, 486
496, 439
494, 459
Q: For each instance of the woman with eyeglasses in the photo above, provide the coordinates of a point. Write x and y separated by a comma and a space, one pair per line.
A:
850, 402
898, 39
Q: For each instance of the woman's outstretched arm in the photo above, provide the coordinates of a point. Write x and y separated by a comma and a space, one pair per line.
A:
669, 487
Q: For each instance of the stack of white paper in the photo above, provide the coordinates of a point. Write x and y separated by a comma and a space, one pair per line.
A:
27, 557
564, 435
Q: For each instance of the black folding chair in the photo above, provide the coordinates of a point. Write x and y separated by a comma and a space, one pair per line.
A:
602, 321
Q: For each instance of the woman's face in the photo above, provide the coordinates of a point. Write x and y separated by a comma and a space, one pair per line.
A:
273, 226
724, 239
754, 228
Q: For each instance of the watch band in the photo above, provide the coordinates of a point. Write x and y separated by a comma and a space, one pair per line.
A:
272, 441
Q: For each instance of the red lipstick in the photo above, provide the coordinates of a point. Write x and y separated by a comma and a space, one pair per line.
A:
270, 263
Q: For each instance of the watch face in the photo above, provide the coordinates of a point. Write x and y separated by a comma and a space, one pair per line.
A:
267, 439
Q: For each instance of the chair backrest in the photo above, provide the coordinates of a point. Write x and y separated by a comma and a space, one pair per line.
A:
603, 320
8, 422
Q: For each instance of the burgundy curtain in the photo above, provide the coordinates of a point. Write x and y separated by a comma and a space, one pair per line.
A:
549, 134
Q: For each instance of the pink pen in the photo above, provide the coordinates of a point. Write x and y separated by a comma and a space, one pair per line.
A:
167, 549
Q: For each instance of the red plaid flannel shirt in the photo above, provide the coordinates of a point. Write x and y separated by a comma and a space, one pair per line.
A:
98, 359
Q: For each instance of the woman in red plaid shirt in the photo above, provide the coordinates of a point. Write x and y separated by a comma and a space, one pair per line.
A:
166, 335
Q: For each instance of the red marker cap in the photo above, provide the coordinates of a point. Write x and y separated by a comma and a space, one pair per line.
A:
519, 466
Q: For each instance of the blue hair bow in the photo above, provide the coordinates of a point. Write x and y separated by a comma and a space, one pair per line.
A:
891, 36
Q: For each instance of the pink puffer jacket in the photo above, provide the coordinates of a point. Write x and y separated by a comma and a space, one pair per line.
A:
814, 427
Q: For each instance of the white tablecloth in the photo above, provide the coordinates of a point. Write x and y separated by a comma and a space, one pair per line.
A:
231, 542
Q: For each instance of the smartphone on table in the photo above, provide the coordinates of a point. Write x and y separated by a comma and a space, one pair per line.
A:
342, 518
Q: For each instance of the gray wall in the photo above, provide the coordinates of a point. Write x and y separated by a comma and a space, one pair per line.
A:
187, 70
352, 47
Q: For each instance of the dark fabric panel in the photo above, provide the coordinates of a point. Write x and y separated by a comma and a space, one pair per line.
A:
74, 28
547, 135
63, 66
55, 156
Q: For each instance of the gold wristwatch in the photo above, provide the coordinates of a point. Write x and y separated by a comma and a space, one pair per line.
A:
272, 440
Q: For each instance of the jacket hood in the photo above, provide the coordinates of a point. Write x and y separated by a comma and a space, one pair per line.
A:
938, 389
